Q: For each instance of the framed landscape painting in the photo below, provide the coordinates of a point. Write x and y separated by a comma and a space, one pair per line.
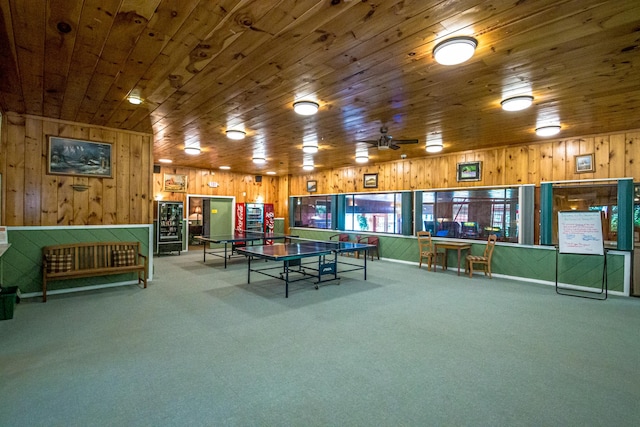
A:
175, 183
370, 180
75, 157
470, 171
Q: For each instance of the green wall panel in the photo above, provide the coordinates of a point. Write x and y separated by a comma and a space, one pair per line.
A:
528, 262
22, 263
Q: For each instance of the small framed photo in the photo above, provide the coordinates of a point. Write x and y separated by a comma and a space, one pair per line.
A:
584, 163
175, 183
370, 180
469, 171
312, 186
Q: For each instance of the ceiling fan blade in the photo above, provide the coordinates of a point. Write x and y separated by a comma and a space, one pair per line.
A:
370, 141
394, 146
405, 141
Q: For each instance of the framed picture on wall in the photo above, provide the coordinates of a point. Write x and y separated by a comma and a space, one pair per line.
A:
75, 157
175, 183
584, 163
312, 186
469, 171
370, 180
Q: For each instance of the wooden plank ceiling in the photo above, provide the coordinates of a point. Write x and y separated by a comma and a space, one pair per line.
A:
204, 66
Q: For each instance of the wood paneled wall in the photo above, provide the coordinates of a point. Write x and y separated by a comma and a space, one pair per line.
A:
31, 197
615, 156
245, 188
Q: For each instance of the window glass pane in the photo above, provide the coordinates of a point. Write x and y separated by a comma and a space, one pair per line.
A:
379, 213
471, 214
312, 211
603, 198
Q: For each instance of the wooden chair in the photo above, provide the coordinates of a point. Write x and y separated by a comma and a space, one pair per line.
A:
370, 240
484, 259
342, 237
427, 251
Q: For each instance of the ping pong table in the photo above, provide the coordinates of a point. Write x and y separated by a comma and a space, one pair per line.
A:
235, 240
292, 254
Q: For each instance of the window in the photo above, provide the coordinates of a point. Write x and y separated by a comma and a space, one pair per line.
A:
471, 214
378, 213
603, 198
312, 211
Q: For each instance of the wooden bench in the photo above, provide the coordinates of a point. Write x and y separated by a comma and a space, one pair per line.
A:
75, 260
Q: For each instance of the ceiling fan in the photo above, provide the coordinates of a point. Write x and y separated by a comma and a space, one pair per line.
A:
386, 141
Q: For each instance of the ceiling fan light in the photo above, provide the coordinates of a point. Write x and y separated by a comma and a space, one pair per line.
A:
192, 150
548, 130
455, 50
306, 108
517, 103
235, 134
434, 146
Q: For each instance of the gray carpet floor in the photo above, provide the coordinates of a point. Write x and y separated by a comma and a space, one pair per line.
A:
406, 347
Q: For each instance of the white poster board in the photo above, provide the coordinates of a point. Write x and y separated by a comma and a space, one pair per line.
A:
580, 232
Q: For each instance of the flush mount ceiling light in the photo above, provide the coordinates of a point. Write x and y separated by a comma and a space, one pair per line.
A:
434, 146
134, 99
455, 50
307, 165
271, 173
259, 160
517, 103
226, 168
235, 134
305, 108
310, 147
548, 130
362, 158
165, 160
192, 150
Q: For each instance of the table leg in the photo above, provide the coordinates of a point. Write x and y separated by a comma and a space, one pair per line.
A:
225, 254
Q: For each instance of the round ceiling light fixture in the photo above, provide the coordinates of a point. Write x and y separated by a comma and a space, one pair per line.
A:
517, 103
225, 168
434, 146
455, 50
548, 130
306, 108
236, 134
362, 158
192, 150
307, 165
259, 160
134, 99
310, 147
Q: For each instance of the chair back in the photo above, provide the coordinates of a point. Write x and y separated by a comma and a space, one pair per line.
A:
491, 244
424, 241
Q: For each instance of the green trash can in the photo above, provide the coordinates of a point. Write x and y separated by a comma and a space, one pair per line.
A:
7, 302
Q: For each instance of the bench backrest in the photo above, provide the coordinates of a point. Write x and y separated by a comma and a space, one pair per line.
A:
84, 256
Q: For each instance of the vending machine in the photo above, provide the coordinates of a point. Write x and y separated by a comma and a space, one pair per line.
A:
168, 226
254, 217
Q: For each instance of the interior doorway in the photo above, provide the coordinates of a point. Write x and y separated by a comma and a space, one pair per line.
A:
208, 216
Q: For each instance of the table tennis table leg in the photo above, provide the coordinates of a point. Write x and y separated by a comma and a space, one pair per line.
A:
249, 270
225, 254
365, 264
286, 279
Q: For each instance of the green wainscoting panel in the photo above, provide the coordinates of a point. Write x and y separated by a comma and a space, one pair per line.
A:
528, 262
23, 261
278, 225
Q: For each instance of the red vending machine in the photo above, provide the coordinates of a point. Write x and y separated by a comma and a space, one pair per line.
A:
254, 217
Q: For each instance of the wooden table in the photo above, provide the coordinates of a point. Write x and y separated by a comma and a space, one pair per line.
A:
459, 246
